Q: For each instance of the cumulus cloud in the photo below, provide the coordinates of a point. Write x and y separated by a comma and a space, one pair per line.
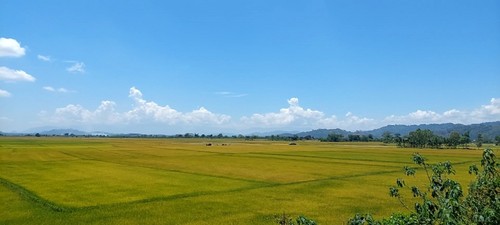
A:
419, 116
295, 116
143, 111
294, 113
10, 75
488, 112
77, 114
352, 121
11, 48
485, 113
4, 93
52, 89
292, 117
151, 110
44, 58
76, 67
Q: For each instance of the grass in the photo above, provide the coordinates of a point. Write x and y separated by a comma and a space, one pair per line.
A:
183, 181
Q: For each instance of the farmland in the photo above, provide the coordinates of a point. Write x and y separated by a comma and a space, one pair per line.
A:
184, 181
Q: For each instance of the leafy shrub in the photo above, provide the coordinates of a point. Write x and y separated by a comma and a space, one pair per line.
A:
442, 202
285, 219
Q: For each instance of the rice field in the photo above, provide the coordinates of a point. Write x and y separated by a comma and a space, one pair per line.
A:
184, 181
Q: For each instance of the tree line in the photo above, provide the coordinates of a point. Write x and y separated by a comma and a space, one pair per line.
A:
427, 139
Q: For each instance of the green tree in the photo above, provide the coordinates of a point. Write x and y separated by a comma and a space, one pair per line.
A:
442, 201
285, 219
420, 138
479, 140
465, 139
333, 137
387, 137
483, 200
370, 137
454, 139
353, 137
399, 140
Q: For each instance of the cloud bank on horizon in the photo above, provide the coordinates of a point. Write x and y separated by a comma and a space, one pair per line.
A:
292, 117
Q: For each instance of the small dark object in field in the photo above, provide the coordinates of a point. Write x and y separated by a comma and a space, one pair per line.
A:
209, 144
292, 143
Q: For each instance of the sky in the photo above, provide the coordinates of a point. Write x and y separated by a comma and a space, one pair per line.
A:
173, 67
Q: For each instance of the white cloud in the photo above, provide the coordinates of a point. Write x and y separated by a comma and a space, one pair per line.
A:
292, 117
62, 90
295, 117
229, 94
488, 112
4, 93
77, 67
48, 88
293, 114
51, 89
203, 116
44, 58
11, 75
71, 113
11, 48
420, 117
77, 114
352, 121
485, 113
143, 111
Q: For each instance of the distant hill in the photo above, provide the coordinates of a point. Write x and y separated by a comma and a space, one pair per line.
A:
278, 132
323, 133
63, 131
489, 130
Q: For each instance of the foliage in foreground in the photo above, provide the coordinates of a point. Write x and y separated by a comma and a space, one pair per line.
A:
285, 219
442, 202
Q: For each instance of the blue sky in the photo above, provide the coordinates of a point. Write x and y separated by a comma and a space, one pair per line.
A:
245, 66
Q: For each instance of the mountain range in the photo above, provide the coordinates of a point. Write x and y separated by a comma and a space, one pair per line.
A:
489, 130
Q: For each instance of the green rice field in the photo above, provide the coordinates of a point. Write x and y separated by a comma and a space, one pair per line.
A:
52, 180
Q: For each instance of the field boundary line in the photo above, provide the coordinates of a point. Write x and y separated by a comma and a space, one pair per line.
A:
344, 159
177, 196
286, 157
212, 193
322, 157
32, 197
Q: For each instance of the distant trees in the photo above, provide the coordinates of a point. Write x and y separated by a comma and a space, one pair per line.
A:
387, 137
427, 139
334, 137
479, 140
454, 139
465, 139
